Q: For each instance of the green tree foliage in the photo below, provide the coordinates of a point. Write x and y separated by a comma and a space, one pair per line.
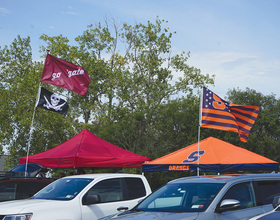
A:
17, 87
174, 126
264, 135
19, 77
131, 94
135, 100
132, 78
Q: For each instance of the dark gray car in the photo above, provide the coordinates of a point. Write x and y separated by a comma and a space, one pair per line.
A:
209, 197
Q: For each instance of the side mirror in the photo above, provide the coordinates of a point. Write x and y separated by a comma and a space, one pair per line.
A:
276, 201
91, 199
228, 204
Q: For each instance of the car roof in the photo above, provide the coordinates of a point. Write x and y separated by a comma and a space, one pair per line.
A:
102, 175
227, 178
26, 179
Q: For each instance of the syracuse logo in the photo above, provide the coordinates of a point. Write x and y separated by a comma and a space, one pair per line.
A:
194, 156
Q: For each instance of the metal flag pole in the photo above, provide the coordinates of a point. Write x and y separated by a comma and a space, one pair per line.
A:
31, 129
198, 150
199, 124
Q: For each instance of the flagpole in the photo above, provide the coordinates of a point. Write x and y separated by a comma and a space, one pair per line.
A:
198, 150
199, 125
31, 129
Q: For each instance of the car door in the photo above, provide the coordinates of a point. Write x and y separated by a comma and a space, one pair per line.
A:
248, 208
114, 193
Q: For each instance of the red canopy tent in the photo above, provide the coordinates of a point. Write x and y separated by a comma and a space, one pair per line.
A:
86, 150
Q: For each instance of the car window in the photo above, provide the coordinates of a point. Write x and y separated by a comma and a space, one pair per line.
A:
181, 197
109, 190
63, 189
32, 170
26, 189
8, 191
266, 191
243, 193
135, 188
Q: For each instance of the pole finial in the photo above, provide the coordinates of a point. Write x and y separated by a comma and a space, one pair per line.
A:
48, 50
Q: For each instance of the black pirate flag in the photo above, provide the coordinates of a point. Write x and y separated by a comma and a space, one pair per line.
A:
50, 101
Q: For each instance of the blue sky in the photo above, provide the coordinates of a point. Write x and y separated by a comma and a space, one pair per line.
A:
237, 40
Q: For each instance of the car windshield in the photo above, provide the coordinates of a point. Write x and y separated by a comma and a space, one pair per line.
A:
63, 189
181, 197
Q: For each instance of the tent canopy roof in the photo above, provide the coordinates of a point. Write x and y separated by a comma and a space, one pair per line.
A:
214, 156
86, 150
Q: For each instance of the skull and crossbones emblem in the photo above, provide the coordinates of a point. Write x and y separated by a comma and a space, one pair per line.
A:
53, 104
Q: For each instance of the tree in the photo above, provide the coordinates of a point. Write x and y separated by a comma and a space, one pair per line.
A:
132, 88
19, 77
17, 83
131, 70
264, 135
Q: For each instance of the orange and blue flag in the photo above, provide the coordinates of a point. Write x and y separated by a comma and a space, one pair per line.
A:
219, 114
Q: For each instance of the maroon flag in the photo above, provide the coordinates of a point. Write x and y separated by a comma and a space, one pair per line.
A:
66, 75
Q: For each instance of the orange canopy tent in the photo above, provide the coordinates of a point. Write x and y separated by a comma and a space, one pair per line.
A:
214, 156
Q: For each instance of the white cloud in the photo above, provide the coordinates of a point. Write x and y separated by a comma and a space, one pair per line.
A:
70, 11
239, 70
4, 11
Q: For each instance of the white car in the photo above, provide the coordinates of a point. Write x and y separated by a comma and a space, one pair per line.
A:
272, 215
80, 197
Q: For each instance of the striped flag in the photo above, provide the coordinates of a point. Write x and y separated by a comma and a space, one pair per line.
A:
219, 114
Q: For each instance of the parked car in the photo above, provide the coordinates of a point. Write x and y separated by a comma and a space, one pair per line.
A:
31, 170
20, 184
13, 188
273, 215
80, 197
208, 197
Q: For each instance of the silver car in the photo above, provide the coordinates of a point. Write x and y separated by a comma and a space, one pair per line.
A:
208, 198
